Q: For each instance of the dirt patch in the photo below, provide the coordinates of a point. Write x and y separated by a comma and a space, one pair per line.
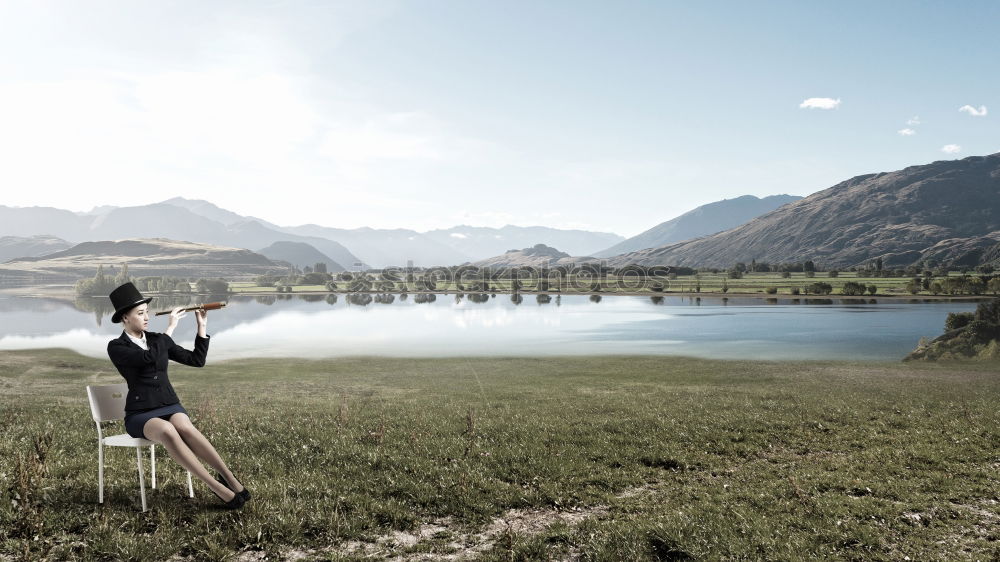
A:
453, 543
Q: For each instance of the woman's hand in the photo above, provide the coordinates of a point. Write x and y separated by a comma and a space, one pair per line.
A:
175, 315
201, 316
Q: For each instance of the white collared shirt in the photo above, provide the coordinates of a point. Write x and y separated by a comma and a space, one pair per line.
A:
141, 342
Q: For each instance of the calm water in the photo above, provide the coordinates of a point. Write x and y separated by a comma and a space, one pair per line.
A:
318, 326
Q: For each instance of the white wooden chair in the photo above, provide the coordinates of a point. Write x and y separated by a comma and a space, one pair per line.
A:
107, 403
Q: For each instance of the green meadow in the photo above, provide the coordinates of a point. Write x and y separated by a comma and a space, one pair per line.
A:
591, 458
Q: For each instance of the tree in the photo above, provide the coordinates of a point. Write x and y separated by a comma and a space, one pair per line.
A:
808, 265
872, 289
316, 278
320, 267
833, 273
994, 285
122, 276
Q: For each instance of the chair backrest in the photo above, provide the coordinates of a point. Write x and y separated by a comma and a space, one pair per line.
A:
107, 402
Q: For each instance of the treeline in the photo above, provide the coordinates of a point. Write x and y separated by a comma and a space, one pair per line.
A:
101, 284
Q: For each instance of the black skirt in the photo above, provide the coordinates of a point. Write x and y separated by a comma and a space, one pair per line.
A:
135, 422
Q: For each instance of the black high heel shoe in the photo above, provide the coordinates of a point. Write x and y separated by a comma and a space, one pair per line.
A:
244, 493
235, 503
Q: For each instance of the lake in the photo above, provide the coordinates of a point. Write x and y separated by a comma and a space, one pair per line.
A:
320, 326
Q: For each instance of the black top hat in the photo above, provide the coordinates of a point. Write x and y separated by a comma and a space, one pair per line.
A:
125, 298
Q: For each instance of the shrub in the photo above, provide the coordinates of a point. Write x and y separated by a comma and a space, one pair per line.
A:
818, 288
872, 289
956, 320
214, 286
833, 273
853, 289
771, 290
266, 280
785, 274
795, 290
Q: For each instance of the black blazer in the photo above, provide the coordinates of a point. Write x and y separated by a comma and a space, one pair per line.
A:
146, 371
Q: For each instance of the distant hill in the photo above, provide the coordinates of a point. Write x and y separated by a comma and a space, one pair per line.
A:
17, 246
537, 256
482, 243
943, 210
299, 254
385, 247
145, 257
706, 219
160, 220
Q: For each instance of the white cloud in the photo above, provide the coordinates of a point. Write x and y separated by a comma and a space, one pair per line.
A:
915, 120
951, 149
907, 132
458, 235
973, 111
820, 103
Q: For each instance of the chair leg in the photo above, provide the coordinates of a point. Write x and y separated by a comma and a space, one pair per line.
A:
152, 461
190, 487
100, 472
142, 477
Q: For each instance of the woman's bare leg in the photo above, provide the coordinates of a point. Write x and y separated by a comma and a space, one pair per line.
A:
164, 433
201, 446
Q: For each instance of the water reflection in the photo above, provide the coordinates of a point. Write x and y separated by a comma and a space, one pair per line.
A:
478, 323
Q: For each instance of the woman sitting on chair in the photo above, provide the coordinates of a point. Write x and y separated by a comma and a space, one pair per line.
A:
152, 409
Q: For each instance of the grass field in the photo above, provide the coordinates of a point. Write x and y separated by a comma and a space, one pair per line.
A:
598, 458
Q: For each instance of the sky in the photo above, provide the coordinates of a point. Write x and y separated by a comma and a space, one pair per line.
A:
605, 116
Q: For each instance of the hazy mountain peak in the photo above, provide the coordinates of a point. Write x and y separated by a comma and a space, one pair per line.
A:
701, 221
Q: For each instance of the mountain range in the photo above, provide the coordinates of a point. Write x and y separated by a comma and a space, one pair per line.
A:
947, 211
203, 222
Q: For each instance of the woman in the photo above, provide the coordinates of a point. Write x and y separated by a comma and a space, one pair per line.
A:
152, 409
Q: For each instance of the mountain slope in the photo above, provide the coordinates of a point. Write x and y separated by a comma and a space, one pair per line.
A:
899, 216
539, 256
703, 220
299, 254
16, 246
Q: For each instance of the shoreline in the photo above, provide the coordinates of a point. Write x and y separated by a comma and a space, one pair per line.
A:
60, 292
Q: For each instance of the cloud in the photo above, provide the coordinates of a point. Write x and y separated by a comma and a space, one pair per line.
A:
915, 120
907, 132
973, 111
951, 149
820, 103
458, 235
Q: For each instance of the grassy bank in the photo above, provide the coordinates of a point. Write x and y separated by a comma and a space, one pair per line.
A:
604, 458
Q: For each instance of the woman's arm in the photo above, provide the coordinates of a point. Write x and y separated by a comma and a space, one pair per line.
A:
194, 358
175, 315
197, 357
123, 354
